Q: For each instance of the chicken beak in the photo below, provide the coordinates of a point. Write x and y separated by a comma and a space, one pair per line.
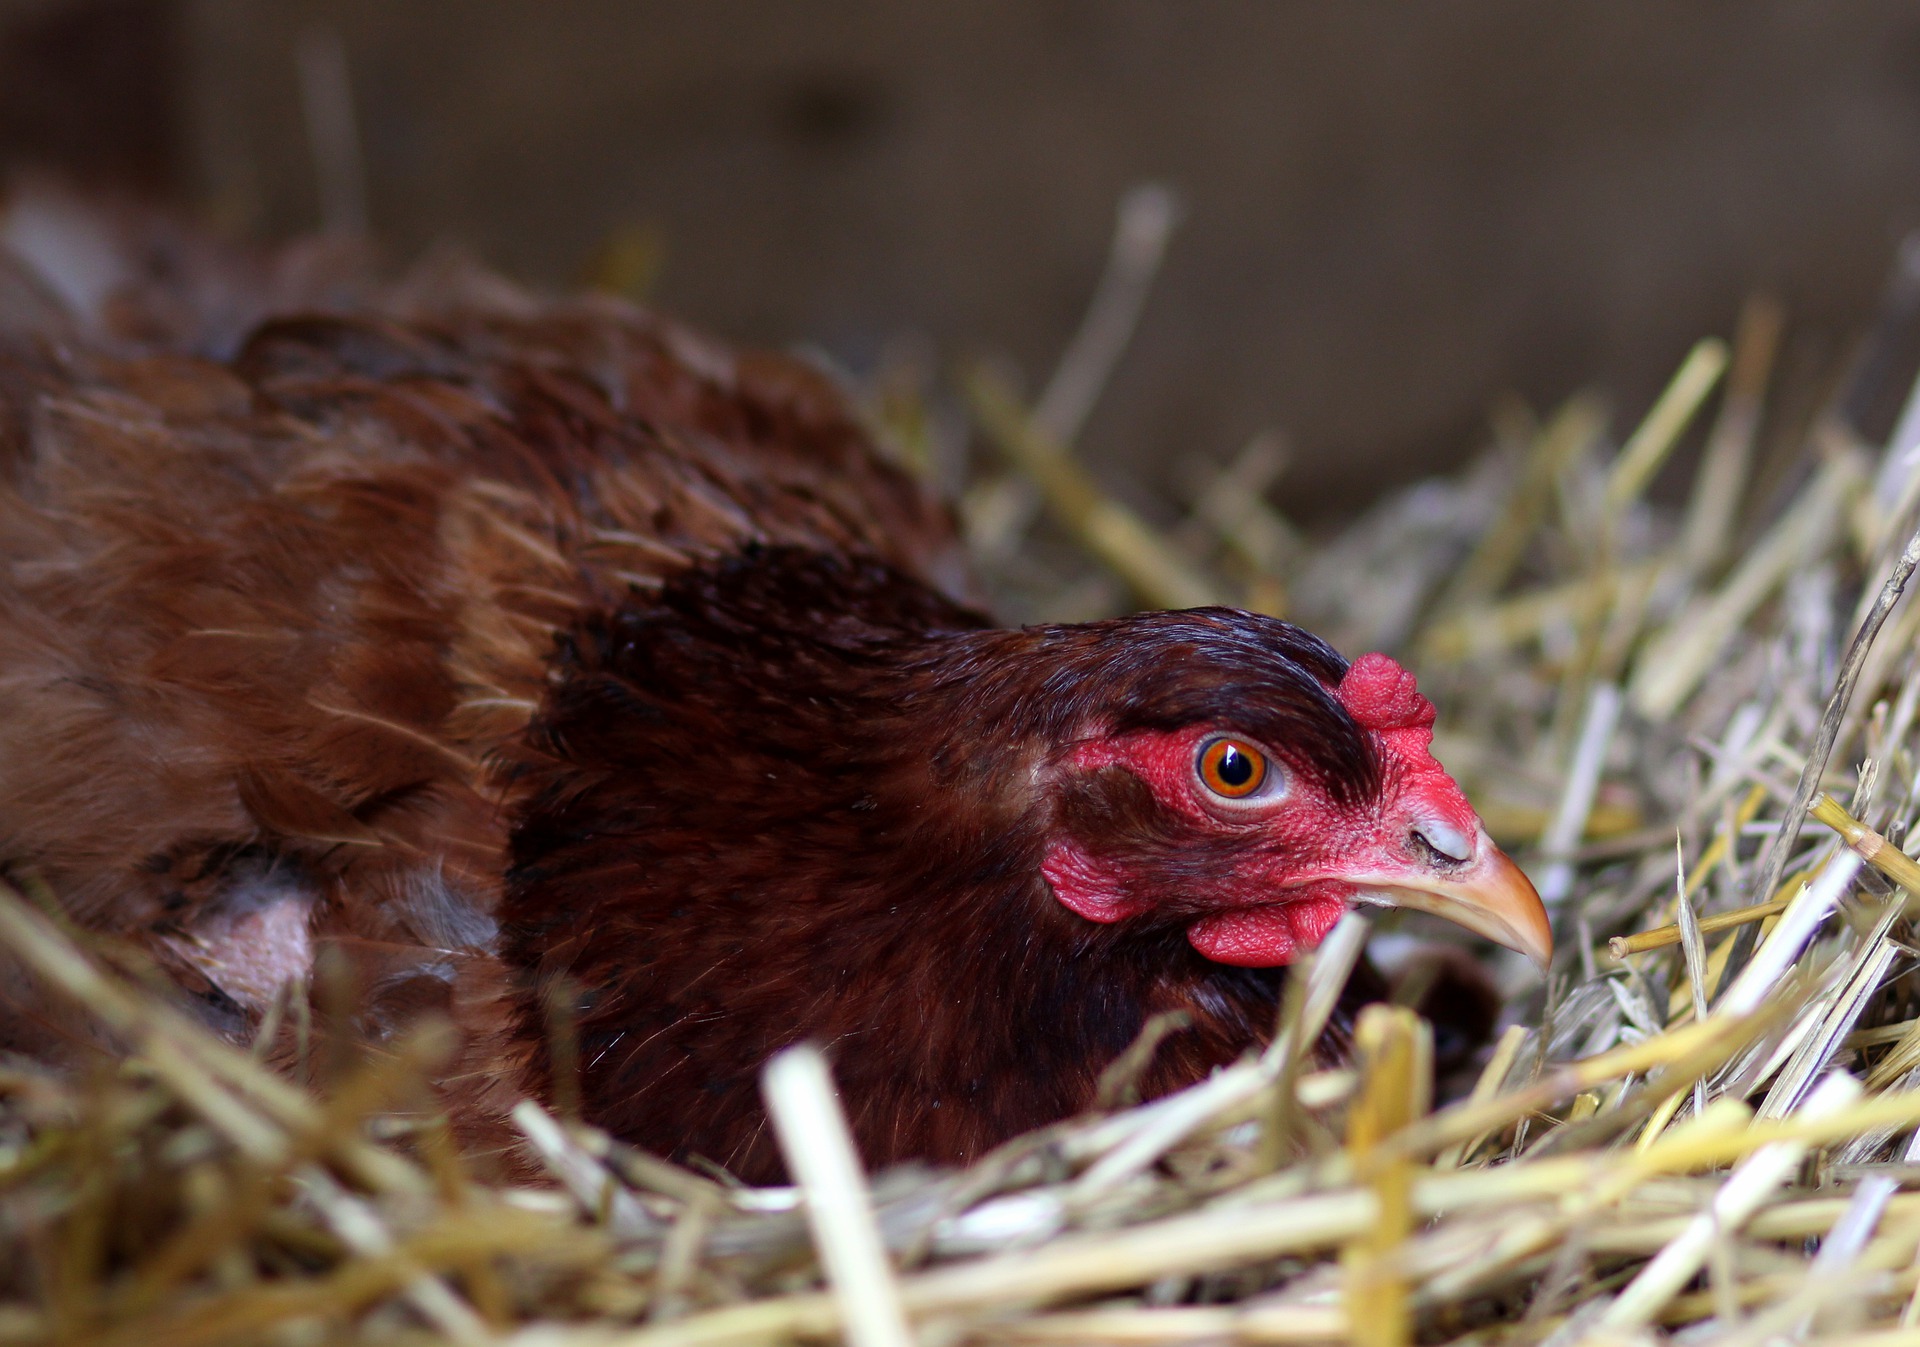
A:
1490, 897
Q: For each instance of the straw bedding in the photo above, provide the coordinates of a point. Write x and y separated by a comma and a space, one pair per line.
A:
1702, 1126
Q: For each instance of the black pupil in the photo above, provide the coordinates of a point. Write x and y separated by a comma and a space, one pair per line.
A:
1234, 768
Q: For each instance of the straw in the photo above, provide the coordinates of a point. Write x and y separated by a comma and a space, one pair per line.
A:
1582, 785
1715, 504
819, 1151
1109, 530
1835, 713
1867, 844
1750, 1184
1656, 436
1144, 223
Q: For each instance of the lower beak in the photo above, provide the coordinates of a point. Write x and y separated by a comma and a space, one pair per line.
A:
1491, 897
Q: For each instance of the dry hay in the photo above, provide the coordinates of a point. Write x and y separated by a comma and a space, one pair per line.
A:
1701, 1127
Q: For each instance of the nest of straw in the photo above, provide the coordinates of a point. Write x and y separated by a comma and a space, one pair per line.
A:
1697, 722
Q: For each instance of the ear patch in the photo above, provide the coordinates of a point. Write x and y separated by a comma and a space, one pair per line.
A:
1382, 697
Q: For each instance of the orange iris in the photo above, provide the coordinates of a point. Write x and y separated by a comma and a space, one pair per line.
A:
1232, 769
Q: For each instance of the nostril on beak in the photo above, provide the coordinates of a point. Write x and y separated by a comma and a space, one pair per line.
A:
1444, 840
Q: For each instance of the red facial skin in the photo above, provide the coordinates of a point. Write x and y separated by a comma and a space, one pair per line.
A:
1292, 845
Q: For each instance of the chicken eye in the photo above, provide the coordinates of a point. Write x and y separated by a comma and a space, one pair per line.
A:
1232, 769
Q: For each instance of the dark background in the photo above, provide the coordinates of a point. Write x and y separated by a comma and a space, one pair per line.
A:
1395, 211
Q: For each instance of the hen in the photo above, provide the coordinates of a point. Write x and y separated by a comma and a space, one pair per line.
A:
509, 647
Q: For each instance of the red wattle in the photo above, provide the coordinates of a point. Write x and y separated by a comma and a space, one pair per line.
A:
1264, 937
1084, 886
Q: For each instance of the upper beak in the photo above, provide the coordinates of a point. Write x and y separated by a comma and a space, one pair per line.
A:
1490, 897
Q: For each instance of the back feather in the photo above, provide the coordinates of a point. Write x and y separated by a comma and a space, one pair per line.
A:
271, 613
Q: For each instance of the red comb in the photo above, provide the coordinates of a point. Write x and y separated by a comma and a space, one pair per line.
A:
1382, 696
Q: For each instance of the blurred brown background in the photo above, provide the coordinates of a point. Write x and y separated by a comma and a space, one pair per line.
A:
1394, 211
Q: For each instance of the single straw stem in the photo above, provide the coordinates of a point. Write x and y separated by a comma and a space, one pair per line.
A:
1724, 467
1661, 936
333, 131
1144, 223
818, 1147
1796, 927
1395, 1066
1115, 535
1642, 455
1867, 844
1583, 785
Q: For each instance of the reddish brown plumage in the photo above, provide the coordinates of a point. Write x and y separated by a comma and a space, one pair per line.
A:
503, 643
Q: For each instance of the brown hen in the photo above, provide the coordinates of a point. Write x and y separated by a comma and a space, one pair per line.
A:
508, 646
